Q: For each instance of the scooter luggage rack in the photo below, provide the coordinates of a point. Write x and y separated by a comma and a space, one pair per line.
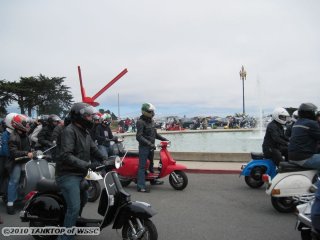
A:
304, 198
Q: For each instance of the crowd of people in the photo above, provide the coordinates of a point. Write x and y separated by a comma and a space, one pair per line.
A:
79, 142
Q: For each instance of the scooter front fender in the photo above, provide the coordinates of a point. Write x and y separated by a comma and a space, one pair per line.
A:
172, 168
135, 209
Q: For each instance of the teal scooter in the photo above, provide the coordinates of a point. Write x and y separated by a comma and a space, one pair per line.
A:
253, 170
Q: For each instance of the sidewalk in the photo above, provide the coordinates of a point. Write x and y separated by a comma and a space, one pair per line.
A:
211, 167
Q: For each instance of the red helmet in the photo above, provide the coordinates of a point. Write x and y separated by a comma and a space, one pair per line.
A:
20, 122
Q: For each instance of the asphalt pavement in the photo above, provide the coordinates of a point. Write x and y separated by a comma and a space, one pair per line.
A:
211, 167
212, 206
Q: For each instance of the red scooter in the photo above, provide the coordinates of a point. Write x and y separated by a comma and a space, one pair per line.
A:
167, 166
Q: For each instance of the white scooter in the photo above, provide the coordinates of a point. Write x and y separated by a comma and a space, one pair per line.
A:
290, 184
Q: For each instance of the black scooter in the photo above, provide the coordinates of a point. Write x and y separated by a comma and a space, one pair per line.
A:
47, 208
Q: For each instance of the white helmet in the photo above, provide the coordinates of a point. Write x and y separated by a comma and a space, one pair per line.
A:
280, 115
294, 116
8, 121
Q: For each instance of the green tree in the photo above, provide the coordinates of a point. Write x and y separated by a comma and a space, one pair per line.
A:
44, 94
5, 99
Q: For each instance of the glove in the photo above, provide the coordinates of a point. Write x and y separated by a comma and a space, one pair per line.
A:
93, 165
115, 139
153, 147
108, 162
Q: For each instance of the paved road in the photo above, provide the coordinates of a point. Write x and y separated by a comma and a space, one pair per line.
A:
213, 206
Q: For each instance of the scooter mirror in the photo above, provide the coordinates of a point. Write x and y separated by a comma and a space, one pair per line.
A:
39, 154
117, 162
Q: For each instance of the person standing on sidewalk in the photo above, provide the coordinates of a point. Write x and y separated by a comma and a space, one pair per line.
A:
146, 136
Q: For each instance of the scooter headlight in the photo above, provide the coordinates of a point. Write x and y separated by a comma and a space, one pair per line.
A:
117, 162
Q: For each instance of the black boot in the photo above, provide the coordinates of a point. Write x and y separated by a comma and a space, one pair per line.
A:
11, 210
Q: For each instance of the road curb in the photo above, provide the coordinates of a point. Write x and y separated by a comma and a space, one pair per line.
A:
213, 171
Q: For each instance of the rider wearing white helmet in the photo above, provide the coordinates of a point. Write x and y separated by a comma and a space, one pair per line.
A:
275, 143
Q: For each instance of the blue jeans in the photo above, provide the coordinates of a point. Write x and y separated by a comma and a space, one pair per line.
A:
70, 188
315, 210
312, 162
104, 150
14, 182
144, 153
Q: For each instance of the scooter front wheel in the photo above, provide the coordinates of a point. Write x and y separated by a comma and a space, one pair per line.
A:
178, 180
143, 229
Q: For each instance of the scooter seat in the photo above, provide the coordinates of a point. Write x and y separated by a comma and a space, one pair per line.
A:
291, 167
50, 185
132, 154
47, 185
257, 155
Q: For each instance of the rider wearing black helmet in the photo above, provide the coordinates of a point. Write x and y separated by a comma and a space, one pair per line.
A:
45, 134
303, 150
75, 150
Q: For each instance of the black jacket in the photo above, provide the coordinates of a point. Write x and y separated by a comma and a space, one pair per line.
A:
45, 136
75, 151
147, 132
19, 145
103, 135
274, 137
304, 139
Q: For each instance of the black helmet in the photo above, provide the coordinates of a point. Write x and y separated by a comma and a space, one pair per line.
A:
307, 110
43, 119
53, 118
80, 112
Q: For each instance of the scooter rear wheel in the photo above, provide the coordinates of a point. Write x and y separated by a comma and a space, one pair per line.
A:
94, 191
251, 182
124, 182
41, 237
149, 234
283, 204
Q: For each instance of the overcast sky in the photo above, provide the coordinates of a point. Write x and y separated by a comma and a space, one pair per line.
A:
183, 56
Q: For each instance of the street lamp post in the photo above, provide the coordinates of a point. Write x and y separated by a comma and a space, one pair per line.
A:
243, 76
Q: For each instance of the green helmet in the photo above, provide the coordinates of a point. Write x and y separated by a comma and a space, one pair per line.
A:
106, 118
147, 110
